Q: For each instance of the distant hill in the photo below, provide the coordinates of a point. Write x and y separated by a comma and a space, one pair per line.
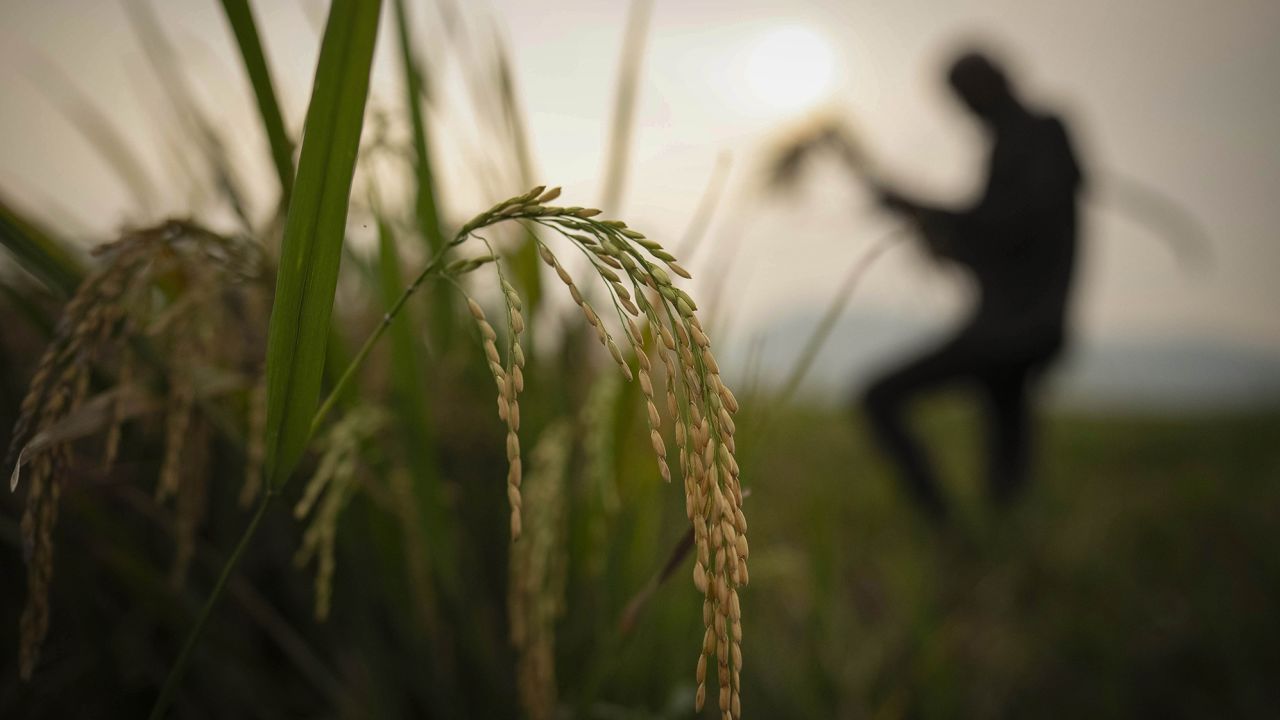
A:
1105, 374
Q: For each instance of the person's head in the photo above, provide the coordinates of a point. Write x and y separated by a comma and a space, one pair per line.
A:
982, 85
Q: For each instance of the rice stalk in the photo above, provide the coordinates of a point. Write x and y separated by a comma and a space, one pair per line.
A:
700, 405
240, 18
536, 586
624, 108
327, 493
524, 261
712, 195
426, 203
599, 427
193, 121
419, 437
818, 338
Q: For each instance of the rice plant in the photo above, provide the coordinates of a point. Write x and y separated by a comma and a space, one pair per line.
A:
195, 343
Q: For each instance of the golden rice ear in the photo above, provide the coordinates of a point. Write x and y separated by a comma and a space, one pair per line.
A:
327, 493
508, 377
700, 405
633, 270
104, 310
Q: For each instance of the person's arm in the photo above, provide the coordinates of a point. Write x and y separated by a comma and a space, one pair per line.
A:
1028, 181
938, 226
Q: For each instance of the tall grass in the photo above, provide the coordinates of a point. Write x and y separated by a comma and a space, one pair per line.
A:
50, 260
240, 17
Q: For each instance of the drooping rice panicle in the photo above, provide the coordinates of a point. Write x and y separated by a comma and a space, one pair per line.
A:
700, 404
509, 380
114, 305
327, 493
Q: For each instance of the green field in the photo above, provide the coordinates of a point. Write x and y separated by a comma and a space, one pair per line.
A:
1138, 579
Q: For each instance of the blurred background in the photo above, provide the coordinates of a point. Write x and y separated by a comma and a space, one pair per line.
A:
1137, 578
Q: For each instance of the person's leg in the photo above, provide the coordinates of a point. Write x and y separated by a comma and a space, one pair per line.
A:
1009, 431
885, 404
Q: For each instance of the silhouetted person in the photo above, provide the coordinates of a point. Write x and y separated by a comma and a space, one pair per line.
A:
1019, 244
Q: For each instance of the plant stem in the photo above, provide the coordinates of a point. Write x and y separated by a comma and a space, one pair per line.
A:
180, 665
823, 331
372, 340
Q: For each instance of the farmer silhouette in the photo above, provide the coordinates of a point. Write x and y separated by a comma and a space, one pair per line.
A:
1019, 244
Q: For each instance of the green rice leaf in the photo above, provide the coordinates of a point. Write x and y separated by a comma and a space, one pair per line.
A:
240, 17
49, 260
201, 132
313, 236
425, 198
426, 207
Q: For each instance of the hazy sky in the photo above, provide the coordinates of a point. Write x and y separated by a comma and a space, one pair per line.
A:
1181, 94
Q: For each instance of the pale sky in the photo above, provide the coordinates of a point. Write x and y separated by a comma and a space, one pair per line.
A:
1181, 94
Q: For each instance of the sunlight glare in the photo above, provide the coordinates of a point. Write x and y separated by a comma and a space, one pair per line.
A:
790, 68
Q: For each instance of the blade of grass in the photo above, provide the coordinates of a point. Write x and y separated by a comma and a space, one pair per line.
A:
696, 230
312, 246
513, 115
20, 300
524, 261
308, 272
425, 198
97, 128
49, 260
408, 372
426, 207
179, 667
823, 331
201, 132
240, 17
624, 108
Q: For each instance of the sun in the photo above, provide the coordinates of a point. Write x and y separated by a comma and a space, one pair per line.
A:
790, 68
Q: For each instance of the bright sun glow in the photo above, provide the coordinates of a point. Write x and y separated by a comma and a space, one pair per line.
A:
790, 68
